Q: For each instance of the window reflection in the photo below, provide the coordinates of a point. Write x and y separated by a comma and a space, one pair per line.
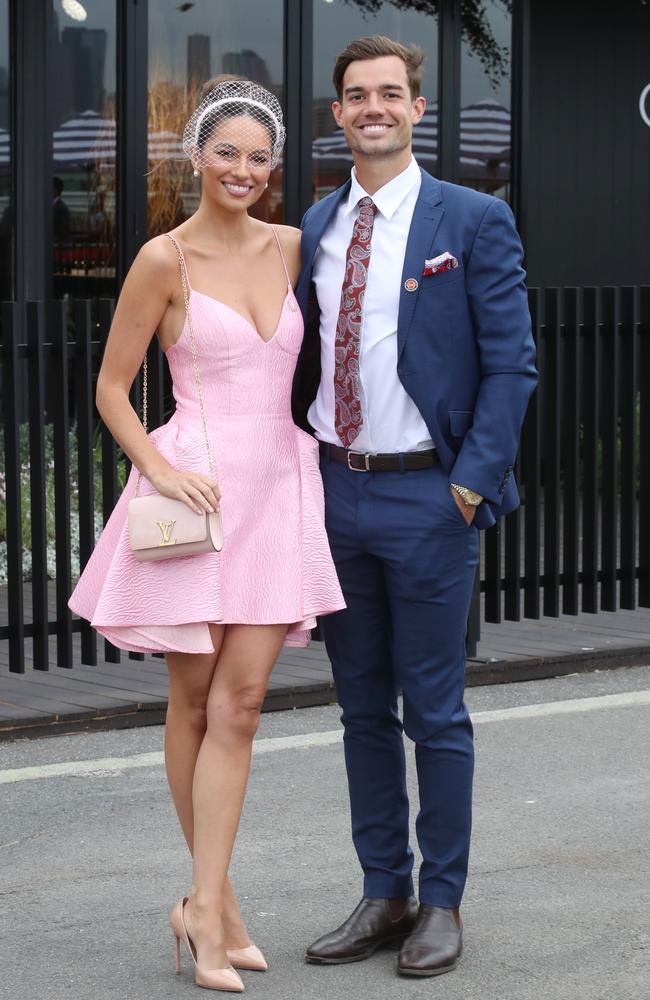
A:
485, 100
338, 22
190, 44
6, 205
84, 170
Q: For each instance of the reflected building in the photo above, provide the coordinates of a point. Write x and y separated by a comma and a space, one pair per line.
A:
198, 61
82, 62
247, 63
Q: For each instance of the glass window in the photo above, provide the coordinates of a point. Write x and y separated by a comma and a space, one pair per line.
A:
6, 205
485, 99
338, 22
84, 170
188, 45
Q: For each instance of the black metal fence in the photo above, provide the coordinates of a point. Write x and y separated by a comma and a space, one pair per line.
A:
580, 541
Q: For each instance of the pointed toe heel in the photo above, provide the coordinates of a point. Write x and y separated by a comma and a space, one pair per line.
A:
226, 980
219, 979
250, 958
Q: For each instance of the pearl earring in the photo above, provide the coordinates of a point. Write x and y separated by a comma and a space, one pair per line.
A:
266, 185
196, 173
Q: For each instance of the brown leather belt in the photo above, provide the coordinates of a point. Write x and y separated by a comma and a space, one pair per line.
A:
359, 462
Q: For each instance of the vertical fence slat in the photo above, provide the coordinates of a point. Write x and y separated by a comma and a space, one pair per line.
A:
531, 468
644, 445
156, 384
38, 496
608, 328
628, 434
512, 569
84, 411
551, 466
493, 551
58, 323
570, 455
13, 510
105, 310
590, 479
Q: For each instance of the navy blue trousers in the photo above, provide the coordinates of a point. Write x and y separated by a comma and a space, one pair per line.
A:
406, 560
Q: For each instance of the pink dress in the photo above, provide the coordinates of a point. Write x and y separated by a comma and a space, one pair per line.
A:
275, 566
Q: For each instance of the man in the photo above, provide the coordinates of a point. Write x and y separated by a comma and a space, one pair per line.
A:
427, 364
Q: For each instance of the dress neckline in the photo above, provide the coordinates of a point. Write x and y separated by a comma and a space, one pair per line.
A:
235, 312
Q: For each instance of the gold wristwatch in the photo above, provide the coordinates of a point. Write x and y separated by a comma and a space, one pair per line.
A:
468, 496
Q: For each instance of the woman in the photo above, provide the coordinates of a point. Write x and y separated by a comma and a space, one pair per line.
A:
220, 618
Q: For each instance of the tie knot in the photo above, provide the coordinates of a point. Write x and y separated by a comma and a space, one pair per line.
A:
367, 204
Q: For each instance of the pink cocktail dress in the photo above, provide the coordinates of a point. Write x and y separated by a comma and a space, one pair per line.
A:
275, 566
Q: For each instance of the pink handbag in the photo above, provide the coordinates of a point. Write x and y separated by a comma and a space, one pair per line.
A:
160, 527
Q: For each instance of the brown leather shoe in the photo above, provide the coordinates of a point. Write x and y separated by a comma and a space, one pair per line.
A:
376, 923
434, 945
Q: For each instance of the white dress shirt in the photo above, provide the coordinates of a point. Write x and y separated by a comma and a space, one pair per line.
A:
391, 420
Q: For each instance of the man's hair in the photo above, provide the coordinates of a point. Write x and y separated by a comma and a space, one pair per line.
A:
374, 47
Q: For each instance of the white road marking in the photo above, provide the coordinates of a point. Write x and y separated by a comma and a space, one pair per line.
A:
303, 741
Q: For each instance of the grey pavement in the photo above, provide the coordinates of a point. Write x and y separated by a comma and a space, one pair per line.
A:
558, 898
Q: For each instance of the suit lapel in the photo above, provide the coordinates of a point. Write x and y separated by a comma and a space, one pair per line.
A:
427, 216
319, 219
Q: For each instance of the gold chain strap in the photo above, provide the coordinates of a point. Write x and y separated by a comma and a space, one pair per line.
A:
195, 364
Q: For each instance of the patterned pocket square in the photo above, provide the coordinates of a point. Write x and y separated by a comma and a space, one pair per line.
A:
437, 265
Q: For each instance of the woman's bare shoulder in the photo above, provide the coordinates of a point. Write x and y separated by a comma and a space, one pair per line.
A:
157, 262
289, 235
290, 239
158, 252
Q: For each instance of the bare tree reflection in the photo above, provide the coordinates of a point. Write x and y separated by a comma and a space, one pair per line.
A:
476, 28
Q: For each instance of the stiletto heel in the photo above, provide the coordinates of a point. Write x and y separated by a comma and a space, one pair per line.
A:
250, 958
211, 979
178, 955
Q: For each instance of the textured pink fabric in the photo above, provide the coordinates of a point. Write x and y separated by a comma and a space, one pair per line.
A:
275, 566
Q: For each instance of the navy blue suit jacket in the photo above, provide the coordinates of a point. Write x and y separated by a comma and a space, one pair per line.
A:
466, 354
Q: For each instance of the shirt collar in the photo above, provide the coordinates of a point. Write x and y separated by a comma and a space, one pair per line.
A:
389, 197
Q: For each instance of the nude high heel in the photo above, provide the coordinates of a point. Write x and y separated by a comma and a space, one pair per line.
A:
250, 958
210, 979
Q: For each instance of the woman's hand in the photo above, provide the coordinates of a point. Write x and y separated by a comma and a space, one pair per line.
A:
199, 492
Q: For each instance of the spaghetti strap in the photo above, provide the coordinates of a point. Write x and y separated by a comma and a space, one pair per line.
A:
284, 263
181, 258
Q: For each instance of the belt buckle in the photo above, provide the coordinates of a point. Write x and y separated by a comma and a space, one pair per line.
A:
366, 460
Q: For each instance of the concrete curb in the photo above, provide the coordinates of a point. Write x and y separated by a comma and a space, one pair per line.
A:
479, 672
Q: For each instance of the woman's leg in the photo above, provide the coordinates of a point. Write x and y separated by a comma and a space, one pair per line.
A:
190, 677
237, 692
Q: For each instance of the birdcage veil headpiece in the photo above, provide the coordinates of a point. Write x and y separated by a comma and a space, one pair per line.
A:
252, 106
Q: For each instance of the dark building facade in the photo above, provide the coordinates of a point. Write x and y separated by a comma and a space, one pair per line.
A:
541, 102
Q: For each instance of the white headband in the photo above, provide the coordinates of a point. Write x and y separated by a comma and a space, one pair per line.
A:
239, 100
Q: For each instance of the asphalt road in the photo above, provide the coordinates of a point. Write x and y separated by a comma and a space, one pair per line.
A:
557, 904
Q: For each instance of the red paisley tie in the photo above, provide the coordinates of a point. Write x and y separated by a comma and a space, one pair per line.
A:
347, 389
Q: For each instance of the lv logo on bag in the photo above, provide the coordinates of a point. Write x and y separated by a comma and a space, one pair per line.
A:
166, 528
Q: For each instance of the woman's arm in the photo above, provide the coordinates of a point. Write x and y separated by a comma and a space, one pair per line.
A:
151, 286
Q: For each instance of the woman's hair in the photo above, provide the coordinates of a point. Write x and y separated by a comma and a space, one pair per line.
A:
374, 47
214, 82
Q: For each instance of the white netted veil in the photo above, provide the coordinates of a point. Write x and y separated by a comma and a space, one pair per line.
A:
236, 116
